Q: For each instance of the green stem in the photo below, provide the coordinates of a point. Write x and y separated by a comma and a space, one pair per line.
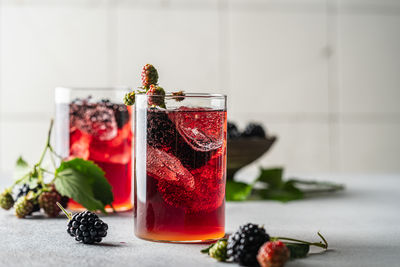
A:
47, 144
320, 244
69, 215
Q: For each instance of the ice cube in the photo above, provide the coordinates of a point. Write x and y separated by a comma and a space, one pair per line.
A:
202, 129
166, 167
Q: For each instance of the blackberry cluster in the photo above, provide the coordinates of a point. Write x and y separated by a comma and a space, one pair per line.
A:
87, 228
121, 112
233, 131
149, 75
6, 200
243, 245
252, 130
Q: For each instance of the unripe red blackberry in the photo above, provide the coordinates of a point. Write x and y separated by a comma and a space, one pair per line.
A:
149, 75
273, 254
6, 200
156, 96
23, 206
48, 202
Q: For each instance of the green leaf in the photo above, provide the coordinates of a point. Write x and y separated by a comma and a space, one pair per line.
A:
272, 177
73, 184
297, 250
21, 168
287, 192
85, 182
237, 191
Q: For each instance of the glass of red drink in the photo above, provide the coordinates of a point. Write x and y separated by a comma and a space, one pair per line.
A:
95, 125
180, 167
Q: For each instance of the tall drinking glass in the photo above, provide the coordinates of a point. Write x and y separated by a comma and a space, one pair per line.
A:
180, 167
94, 124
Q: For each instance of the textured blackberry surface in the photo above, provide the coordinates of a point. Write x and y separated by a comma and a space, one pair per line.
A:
87, 227
254, 130
233, 131
244, 244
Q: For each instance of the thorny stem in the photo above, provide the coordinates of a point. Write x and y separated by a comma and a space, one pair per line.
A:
69, 215
320, 244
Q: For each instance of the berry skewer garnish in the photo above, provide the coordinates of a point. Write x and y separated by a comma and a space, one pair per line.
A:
151, 88
252, 246
86, 227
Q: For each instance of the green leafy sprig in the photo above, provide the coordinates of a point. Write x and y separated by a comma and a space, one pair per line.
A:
79, 179
270, 185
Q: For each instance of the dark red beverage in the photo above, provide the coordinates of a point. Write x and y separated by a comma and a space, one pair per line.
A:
180, 174
102, 132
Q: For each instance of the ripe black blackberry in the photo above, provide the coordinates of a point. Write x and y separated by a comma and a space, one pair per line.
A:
254, 130
86, 227
243, 245
233, 131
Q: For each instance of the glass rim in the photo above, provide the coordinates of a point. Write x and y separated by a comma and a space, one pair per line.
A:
189, 95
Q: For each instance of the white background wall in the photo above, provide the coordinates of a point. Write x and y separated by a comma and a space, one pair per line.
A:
323, 75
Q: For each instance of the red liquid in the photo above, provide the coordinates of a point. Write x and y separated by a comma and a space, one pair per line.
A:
103, 134
180, 189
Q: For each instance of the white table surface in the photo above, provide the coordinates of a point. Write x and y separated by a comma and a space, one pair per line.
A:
361, 224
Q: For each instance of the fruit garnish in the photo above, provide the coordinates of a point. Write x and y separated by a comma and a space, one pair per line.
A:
23, 206
178, 96
156, 96
149, 75
150, 87
85, 226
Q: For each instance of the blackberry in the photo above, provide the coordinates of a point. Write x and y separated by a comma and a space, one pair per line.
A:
156, 96
254, 130
48, 200
243, 245
24, 190
6, 200
233, 131
218, 250
87, 227
23, 207
273, 254
121, 113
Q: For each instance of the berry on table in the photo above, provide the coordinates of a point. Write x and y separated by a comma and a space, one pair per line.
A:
254, 130
218, 250
23, 206
6, 200
149, 75
273, 254
233, 131
48, 202
85, 226
25, 189
244, 244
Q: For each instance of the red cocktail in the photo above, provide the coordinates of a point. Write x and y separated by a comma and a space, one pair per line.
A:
180, 170
98, 129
